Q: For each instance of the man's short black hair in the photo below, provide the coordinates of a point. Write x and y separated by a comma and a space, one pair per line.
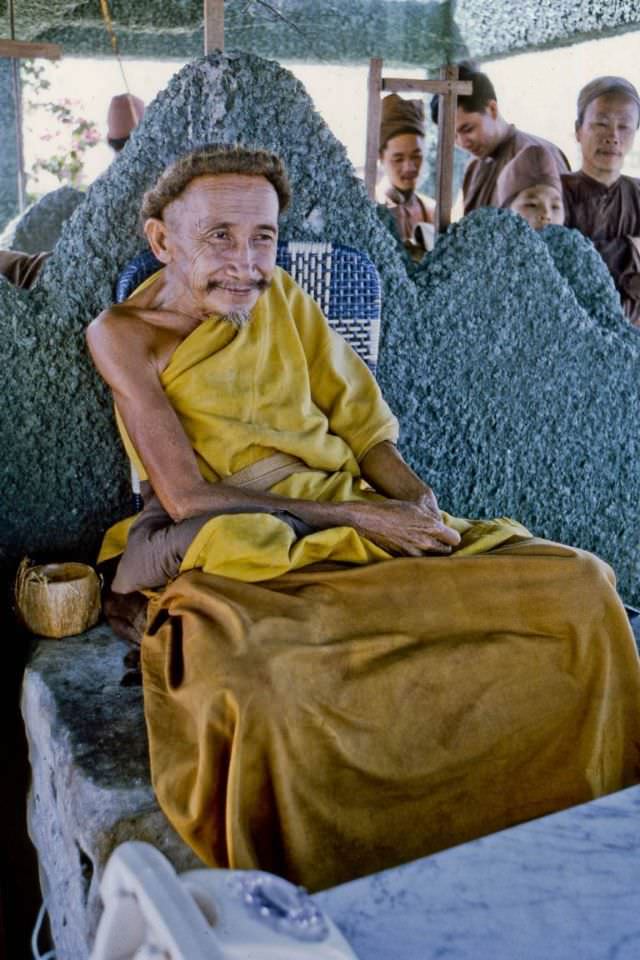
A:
475, 102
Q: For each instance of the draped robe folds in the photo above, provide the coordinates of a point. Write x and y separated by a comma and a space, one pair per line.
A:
413, 217
326, 719
610, 217
480, 184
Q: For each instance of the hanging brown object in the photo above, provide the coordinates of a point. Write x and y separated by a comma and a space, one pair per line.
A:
57, 599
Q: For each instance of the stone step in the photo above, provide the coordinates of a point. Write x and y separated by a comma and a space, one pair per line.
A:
91, 786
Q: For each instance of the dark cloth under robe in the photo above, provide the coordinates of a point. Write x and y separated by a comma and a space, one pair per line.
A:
21, 269
479, 187
409, 211
610, 217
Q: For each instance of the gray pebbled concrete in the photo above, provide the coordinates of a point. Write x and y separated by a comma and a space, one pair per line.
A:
504, 354
91, 786
38, 228
424, 33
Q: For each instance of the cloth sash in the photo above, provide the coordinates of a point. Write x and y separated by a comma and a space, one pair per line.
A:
264, 474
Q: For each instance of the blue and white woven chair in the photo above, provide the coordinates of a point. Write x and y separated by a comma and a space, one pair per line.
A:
342, 280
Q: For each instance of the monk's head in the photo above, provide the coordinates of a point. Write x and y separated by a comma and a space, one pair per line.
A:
402, 141
212, 219
530, 185
479, 126
606, 124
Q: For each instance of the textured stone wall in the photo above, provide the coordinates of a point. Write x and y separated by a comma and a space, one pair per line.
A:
417, 32
421, 32
512, 26
505, 355
39, 227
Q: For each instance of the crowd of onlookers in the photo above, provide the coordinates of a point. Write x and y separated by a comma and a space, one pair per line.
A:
509, 168
512, 169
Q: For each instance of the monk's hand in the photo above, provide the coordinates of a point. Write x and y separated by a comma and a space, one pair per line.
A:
409, 528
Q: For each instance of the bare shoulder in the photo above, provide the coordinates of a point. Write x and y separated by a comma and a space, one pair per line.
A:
123, 344
115, 326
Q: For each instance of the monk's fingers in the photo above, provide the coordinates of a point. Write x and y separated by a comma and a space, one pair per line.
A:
436, 532
445, 534
436, 547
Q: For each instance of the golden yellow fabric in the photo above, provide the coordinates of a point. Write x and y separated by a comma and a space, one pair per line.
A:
284, 383
330, 723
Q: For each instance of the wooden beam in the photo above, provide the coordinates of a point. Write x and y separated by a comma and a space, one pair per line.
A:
462, 88
374, 114
213, 25
446, 142
19, 50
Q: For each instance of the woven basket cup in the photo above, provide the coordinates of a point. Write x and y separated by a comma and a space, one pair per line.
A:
57, 599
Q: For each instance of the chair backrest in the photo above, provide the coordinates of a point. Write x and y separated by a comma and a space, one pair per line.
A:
343, 281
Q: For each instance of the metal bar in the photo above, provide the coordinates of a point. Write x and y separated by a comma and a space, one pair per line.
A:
213, 25
19, 50
461, 88
446, 142
374, 114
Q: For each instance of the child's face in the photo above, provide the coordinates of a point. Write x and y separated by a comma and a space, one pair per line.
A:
540, 205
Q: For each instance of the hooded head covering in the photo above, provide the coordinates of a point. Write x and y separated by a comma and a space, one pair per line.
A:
400, 116
533, 165
602, 86
125, 113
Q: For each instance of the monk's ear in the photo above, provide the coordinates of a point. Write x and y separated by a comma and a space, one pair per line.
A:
156, 233
492, 109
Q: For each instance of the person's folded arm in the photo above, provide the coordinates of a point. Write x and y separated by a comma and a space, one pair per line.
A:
124, 355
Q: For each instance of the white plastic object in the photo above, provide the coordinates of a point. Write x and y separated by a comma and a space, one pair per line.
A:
150, 911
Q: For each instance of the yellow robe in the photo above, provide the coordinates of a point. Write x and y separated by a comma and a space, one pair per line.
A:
326, 723
286, 382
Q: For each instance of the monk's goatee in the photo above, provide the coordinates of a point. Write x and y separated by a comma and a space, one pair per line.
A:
237, 318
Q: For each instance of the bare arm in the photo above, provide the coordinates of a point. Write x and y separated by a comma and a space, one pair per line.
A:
384, 468
130, 353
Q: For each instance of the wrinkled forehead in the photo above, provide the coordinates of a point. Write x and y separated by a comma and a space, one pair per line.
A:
233, 198
612, 106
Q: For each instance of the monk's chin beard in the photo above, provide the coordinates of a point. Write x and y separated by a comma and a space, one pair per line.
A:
237, 318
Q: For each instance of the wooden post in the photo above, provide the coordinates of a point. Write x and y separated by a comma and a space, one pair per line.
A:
213, 25
19, 50
447, 105
448, 88
374, 113
15, 50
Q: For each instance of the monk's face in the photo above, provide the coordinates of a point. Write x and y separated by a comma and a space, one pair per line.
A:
540, 205
476, 132
606, 135
402, 159
220, 239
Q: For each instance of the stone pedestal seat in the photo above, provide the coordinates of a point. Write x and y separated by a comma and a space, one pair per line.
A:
91, 787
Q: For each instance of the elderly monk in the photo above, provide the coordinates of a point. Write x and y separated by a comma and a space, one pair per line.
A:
600, 200
530, 185
402, 155
483, 132
337, 676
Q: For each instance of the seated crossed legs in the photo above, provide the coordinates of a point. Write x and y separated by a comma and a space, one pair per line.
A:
338, 676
